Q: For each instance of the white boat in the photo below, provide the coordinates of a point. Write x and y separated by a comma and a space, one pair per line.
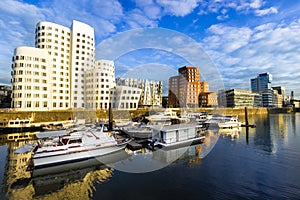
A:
178, 135
230, 122
76, 146
165, 116
197, 117
219, 121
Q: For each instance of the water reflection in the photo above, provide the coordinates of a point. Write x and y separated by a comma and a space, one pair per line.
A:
145, 160
273, 129
233, 133
75, 180
267, 165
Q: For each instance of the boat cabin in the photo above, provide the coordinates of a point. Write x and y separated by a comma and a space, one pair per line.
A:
178, 133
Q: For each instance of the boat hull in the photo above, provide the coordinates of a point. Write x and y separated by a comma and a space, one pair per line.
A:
229, 125
187, 142
42, 161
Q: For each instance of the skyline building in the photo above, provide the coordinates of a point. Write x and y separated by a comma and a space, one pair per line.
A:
51, 75
235, 98
151, 91
186, 90
261, 83
98, 83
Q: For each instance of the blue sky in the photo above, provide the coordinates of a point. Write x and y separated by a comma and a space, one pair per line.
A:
242, 38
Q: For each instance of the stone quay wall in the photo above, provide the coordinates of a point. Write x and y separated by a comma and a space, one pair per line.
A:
94, 115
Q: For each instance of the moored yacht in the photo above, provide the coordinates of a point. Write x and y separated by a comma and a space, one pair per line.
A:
230, 122
165, 117
219, 121
77, 145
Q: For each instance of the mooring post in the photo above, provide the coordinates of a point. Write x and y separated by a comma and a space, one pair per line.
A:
110, 118
246, 117
247, 125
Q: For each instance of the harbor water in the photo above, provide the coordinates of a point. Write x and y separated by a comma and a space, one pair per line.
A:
253, 163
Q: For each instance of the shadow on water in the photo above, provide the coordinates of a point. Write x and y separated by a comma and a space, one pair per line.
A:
261, 163
77, 180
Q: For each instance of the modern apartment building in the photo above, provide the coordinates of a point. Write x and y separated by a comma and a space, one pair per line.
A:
173, 92
125, 97
51, 75
83, 58
189, 86
208, 99
151, 91
98, 83
185, 89
239, 98
271, 96
31, 79
261, 83
281, 91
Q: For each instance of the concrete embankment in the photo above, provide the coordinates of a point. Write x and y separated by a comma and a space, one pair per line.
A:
92, 115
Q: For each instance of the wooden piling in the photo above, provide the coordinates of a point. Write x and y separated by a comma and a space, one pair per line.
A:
246, 117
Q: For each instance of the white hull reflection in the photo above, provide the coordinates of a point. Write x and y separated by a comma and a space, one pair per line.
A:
95, 162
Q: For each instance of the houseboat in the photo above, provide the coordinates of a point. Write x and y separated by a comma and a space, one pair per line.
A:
77, 145
18, 125
178, 135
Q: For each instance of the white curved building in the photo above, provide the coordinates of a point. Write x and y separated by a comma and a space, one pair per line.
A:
30, 79
99, 81
68, 53
83, 58
56, 39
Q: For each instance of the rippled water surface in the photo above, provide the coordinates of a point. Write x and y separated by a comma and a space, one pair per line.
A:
258, 163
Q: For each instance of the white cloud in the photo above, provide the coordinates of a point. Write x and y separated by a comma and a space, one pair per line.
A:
240, 6
271, 10
266, 48
178, 8
17, 24
226, 38
137, 19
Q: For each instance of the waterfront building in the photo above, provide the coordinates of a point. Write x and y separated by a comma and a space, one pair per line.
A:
151, 91
189, 86
262, 84
125, 97
208, 99
281, 91
31, 79
173, 92
277, 100
184, 89
238, 98
98, 82
53, 71
204, 87
83, 58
